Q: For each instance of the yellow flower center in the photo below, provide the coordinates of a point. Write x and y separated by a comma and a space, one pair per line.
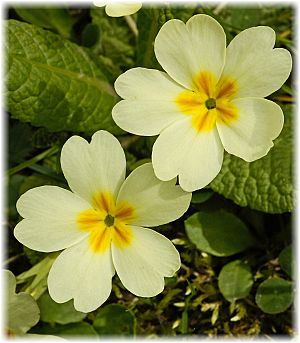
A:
107, 223
210, 102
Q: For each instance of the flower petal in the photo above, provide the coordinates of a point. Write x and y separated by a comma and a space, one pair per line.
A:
258, 68
155, 202
96, 167
186, 50
195, 157
142, 266
148, 109
50, 216
83, 275
203, 161
121, 9
250, 136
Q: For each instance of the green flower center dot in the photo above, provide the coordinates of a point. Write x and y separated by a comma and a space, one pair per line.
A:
109, 220
210, 103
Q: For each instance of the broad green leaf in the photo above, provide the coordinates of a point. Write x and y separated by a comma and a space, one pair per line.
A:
265, 185
235, 280
49, 18
52, 312
201, 196
114, 319
22, 312
286, 260
54, 83
274, 295
218, 233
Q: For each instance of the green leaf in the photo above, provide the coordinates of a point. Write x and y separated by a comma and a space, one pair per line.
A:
274, 295
235, 280
22, 310
36, 277
114, 319
49, 18
286, 260
72, 329
201, 196
218, 233
265, 185
148, 27
19, 144
52, 312
242, 17
54, 83
115, 40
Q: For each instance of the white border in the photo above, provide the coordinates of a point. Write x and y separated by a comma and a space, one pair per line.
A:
3, 149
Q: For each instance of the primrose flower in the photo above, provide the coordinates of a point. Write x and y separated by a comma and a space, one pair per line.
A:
101, 224
115, 9
209, 99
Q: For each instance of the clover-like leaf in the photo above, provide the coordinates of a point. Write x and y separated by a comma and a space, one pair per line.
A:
235, 280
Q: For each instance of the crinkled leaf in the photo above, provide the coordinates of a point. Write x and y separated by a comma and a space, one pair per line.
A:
265, 185
49, 18
123, 323
219, 233
52, 312
54, 83
274, 295
235, 280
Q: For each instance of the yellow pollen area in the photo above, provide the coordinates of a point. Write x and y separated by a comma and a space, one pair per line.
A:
210, 102
107, 223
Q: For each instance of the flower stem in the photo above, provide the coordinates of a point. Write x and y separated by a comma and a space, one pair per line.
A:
53, 150
132, 25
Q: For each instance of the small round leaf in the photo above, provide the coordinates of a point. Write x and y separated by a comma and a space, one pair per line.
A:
219, 233
286, 260
235, 280
274, 295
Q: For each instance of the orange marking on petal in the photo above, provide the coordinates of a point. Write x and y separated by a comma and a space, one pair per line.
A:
100, 239
205, 82
122, 235
226, 88
209, 102
89, 219
125, 212
107, 222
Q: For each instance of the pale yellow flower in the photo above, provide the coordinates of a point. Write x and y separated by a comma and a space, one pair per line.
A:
119, 9
209, 98
101, 224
